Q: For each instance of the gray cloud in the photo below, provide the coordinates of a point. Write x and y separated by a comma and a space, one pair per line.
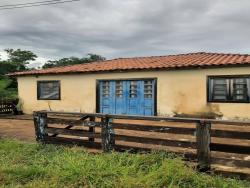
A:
116, 28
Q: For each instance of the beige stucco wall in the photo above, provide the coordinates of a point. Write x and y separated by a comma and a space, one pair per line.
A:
179, 91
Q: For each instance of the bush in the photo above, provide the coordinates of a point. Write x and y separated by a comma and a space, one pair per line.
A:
6, 92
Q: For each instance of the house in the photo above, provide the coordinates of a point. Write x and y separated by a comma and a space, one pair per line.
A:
194, 84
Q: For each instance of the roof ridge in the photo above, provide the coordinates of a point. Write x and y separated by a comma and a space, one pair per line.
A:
194, 59
156, 56
190, 53
230, 53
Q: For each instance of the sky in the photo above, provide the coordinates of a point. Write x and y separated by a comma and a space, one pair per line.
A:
126, 28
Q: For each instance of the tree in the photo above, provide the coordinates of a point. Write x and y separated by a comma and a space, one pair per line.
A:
62, 62
7, 67
17, 60
8, 86
95, 57
73, 61
6, 89
20, 57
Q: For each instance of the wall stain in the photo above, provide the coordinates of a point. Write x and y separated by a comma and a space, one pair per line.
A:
206, 115
185, 109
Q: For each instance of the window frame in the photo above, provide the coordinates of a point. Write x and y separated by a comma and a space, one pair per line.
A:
229, 88
48, 81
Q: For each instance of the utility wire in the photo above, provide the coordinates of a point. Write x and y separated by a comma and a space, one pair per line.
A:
37, 5
31, 3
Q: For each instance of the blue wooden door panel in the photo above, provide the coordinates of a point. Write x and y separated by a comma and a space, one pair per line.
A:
106, 98
120, 97
133, 87
132, 97
148, 95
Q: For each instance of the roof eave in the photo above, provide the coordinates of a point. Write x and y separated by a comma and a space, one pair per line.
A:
134, 69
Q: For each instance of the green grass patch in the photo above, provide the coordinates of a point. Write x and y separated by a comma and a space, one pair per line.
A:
33, 165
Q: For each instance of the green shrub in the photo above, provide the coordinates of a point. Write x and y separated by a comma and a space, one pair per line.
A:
6, 92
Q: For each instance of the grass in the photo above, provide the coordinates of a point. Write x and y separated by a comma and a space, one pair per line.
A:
33, 165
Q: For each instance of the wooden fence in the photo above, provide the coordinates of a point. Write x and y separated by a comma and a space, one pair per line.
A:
201, 142
6, 106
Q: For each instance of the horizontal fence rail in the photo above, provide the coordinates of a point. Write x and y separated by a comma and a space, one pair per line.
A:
110, 132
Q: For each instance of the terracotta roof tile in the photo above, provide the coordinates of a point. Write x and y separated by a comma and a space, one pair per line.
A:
200, 59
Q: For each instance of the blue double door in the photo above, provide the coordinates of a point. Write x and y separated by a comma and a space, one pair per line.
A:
131, 97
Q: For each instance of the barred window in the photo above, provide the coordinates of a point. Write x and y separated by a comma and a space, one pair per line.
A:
228, 89
48, 90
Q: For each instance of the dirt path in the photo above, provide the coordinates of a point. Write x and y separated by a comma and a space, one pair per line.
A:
17, 129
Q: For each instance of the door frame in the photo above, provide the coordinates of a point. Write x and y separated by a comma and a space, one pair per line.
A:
125, 79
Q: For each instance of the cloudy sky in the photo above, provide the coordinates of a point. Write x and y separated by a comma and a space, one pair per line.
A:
127, 28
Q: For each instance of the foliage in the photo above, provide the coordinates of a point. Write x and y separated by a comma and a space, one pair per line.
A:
7, 91
8, 86
73, 61
21, 58
34, 165
95, 57
7, 67
17, 61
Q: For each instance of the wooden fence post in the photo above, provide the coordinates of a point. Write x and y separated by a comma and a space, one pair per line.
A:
40, 123
92, 129
203, 141
108, 135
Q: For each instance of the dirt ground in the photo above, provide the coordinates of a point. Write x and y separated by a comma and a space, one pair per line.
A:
17, 129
